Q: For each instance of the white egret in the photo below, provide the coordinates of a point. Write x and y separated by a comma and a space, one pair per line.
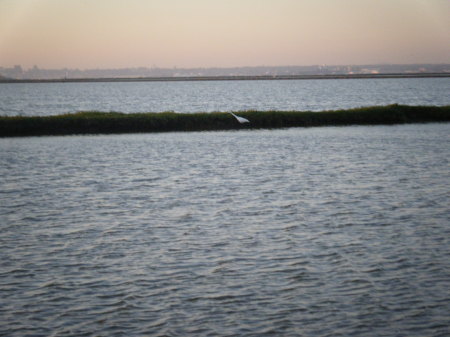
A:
240, 119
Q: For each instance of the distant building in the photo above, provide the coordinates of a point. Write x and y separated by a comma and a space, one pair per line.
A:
35, 72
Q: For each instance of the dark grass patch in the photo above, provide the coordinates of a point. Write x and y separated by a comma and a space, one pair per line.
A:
94, 122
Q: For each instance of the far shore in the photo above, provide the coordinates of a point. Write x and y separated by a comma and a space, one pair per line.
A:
94, 122
230, 78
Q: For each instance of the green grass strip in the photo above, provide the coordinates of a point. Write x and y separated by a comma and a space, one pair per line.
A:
93, 122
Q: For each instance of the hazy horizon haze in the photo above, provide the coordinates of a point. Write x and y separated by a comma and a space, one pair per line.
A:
215, 33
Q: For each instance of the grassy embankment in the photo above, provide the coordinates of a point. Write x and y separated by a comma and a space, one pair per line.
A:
113, 122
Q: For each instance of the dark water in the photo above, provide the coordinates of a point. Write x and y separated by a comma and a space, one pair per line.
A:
313, 95
298, 232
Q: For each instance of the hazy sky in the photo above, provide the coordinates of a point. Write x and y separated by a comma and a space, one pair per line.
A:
207, 33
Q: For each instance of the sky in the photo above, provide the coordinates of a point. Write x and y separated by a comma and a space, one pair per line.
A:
222, 33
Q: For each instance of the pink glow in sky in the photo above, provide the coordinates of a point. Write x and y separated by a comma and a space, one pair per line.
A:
222, 33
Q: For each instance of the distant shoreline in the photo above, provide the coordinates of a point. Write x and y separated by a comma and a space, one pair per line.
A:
230, 78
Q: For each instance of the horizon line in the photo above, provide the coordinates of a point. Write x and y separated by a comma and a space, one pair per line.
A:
230, 78
225, 67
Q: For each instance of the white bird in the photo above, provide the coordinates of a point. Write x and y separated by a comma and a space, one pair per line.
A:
240, 119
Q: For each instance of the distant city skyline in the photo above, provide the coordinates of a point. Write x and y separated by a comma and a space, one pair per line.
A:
108, 34
17, 72
36, 66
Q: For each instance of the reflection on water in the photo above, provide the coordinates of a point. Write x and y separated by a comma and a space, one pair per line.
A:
315, 232
313, 95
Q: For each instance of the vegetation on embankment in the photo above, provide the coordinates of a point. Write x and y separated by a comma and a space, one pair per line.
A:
114, 122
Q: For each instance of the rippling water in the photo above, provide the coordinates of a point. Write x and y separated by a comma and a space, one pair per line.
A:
313, 95
298, 232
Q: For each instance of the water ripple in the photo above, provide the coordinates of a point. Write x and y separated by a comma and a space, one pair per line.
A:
289, 232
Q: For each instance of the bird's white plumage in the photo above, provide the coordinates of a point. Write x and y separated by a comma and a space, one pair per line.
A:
240, 119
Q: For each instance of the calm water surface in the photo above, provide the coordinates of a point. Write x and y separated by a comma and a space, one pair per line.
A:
314, 95
297, 232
